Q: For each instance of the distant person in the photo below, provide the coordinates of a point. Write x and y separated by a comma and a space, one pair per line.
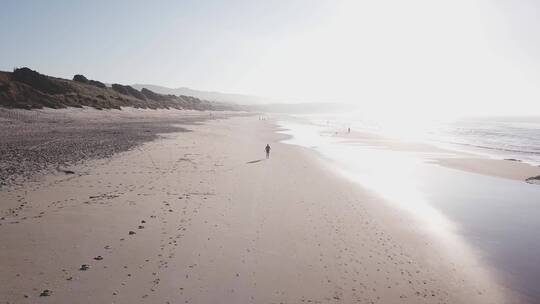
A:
349, 130
267, 149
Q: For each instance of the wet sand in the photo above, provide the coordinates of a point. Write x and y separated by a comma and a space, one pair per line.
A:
202, 217
494, 167
492, 214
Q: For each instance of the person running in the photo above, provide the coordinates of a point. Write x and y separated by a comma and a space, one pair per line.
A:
267, 149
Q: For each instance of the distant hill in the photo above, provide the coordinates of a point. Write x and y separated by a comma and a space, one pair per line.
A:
254, 103
303, 108
25, 88
207, 95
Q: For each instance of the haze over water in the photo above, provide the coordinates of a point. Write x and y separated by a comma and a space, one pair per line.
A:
513, 137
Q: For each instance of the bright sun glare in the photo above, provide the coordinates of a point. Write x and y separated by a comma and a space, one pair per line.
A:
418, 58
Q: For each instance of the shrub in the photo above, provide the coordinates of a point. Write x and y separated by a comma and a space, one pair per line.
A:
97, 84
40, 82
80, 78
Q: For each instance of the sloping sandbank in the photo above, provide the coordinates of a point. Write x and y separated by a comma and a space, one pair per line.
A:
494, 167
195, 217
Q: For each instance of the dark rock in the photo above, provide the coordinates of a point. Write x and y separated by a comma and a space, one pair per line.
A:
98, 258
84, 267
132, 232
45, 293
533, 180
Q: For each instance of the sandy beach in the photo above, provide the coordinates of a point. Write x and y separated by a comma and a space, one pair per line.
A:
270, 152
202, 217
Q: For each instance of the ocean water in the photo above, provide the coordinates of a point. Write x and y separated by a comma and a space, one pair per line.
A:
495, 137
504, 137
497, 220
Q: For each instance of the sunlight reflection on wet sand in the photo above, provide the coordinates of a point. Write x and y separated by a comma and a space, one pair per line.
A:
396, 176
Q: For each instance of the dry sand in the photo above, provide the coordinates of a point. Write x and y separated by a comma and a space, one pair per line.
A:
214, 222
38, 142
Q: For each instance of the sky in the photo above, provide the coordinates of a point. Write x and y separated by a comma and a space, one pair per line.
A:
393, 56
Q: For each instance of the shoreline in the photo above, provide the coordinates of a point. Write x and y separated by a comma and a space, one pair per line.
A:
221, 224
447, 157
